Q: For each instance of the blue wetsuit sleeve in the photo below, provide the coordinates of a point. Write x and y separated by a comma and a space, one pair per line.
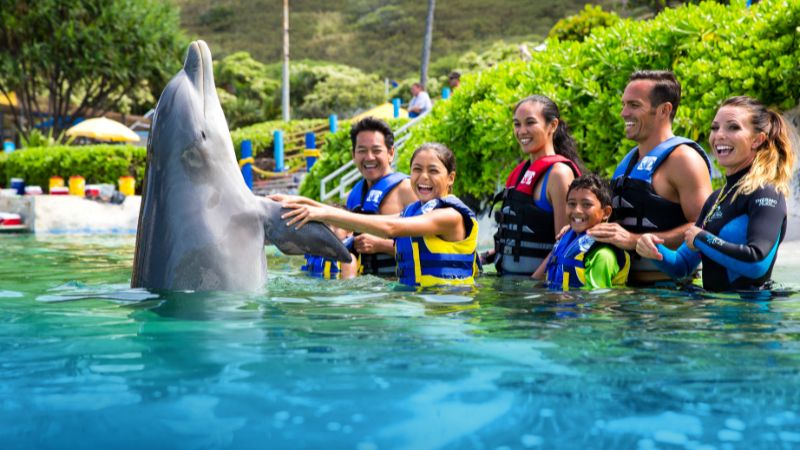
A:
677, 263
765, 219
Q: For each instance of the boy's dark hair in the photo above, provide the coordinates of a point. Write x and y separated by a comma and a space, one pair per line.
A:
454, 76
595, 184
372, 124
666, 89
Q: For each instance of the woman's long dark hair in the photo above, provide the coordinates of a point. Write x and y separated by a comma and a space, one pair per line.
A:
563, 142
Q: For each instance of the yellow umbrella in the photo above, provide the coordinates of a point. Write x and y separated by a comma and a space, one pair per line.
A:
103, 129
384, 111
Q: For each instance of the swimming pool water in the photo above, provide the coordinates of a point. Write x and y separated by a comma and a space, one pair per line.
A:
86, 362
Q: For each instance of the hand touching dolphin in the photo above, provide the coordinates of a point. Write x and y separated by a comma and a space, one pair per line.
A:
200, 227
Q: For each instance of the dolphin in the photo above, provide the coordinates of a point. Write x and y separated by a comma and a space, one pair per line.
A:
200, 227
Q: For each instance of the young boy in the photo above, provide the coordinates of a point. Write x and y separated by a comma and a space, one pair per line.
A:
577, 260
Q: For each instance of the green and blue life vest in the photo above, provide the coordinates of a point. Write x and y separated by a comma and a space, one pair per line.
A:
567, 269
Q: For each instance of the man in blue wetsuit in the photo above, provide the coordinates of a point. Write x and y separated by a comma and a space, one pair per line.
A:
661, 185
380, 191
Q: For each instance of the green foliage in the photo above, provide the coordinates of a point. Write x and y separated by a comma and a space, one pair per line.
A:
89, 53
96, 163
321, 89
336, 152
317, 89
577, 27
377, 36
217, 17
716, 52
248, 91
38, 139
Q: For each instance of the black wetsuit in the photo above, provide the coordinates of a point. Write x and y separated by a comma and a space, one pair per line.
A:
739, 242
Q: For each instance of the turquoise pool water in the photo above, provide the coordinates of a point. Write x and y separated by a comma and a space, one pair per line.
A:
86, 362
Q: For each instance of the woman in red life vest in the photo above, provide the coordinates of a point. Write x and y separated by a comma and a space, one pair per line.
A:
534, 199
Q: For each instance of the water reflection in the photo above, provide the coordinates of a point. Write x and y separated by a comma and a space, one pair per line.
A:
365, 363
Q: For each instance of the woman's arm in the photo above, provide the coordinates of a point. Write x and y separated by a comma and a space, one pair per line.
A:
557, 186
445, 222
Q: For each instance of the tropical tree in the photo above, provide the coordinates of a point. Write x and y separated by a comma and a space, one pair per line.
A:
66, 59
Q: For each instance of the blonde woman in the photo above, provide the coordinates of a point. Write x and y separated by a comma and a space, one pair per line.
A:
741, 225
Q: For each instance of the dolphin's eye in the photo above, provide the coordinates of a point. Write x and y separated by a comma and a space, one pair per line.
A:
193, 157
203, 133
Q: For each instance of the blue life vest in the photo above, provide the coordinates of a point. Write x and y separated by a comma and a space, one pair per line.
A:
318, 266
369, 201
430, 260
565, 268
636, 205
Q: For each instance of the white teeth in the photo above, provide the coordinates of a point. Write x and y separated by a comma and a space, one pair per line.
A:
629, 124
723, 148
524, 140
424, 186
370, 165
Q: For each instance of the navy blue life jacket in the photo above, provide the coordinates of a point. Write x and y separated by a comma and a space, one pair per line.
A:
368, 201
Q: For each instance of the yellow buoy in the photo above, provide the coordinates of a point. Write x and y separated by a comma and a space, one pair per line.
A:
77, 185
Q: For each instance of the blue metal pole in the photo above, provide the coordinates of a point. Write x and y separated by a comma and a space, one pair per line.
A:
311, 153
277, 139
333, 122
396, 109
246, 163
445, 93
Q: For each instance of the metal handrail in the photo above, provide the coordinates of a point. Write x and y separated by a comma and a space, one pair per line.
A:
401, 136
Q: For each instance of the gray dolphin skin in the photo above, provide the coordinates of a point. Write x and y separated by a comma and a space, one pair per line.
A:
200, 227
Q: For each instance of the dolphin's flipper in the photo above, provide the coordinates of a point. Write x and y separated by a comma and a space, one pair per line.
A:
314, 238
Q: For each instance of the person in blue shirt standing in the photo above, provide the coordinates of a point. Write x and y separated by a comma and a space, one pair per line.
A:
742, 224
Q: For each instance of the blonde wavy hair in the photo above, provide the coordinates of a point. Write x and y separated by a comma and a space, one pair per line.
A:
774, 159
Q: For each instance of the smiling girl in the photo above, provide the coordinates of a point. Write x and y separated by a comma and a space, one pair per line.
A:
741, 225
435, 238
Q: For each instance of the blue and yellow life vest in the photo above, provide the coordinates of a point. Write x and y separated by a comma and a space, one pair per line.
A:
430, 260
321, 267
368, 201
565, 268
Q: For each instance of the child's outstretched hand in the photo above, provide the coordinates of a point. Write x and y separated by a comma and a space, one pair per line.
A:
302, 213
646, 246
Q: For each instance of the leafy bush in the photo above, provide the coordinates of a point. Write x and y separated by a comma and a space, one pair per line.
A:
577, 27
716, 52
336, 152
246, 90
96, 163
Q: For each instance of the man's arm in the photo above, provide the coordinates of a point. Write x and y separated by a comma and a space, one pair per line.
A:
687, 175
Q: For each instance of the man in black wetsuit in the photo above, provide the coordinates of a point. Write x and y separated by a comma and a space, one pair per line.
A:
661, 184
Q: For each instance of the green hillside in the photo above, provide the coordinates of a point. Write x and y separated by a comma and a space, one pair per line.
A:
377, 36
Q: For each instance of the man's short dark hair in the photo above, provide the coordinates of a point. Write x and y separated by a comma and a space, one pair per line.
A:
372, 124
666, 88
595, 184
454, 76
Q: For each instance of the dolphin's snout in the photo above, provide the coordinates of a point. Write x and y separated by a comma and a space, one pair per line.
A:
198, 67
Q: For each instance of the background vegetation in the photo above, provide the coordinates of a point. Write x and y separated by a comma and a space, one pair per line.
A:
715, 50
96, 163
376, 36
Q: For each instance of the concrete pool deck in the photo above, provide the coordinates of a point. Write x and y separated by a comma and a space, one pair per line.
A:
68, 214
